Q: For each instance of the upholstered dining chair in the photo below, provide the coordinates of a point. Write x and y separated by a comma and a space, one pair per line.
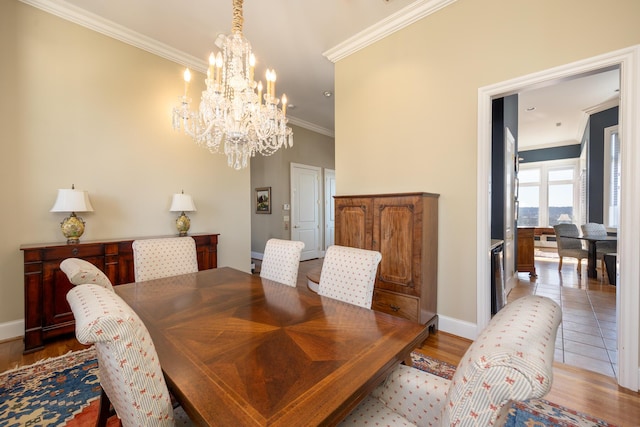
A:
349, 274
569, 247
164, 257
281, 261
511, 360
128, 365
82, 272
594, 229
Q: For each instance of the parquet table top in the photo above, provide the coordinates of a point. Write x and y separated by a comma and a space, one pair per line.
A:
240, 350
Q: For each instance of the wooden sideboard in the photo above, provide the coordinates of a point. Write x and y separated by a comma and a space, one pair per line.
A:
46, 311
404, 229
526, 251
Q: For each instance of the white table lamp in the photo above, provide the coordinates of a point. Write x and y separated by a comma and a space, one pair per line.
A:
72, 200
182, 203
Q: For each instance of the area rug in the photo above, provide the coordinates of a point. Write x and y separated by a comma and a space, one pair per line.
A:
52, 392
531, 413
64, 391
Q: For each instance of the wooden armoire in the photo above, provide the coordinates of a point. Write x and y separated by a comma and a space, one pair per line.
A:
404, 229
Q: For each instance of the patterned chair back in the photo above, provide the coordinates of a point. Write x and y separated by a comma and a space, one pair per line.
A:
349, 274
281, 261
129, 370
594, 229
165, 257
81, 272
570, 230
511, 359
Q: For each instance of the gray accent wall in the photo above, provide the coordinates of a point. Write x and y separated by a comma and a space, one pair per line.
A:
309, 148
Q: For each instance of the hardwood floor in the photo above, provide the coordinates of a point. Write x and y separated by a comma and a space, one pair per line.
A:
573, 387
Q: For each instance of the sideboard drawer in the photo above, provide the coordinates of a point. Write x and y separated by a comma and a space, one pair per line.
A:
397, 304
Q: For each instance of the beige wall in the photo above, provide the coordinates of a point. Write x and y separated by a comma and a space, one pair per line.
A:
406, 110
309, 148
80, 108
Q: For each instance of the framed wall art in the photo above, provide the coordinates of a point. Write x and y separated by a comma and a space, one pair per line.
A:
263, 200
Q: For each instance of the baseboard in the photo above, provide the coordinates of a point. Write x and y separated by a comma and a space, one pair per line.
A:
11, 330
457, 327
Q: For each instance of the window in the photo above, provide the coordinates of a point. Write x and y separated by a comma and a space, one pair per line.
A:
529, 197
548, 193
611, 178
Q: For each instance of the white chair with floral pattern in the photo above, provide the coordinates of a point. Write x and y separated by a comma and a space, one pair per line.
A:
128, 366
164, 257
349, 274
511, 360
281, 261
81, 272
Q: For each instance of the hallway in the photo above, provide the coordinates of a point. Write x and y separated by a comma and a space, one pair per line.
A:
587, 337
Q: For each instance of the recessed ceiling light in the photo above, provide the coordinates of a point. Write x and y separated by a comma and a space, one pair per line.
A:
328, 93
291, 106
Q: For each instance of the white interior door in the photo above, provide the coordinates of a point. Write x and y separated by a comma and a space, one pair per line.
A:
329, 207
305, 208
509, 209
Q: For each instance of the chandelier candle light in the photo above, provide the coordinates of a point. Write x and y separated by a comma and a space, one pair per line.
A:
72, 201
232, 117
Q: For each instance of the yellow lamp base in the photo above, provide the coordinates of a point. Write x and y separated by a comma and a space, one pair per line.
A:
183, 223
72, 228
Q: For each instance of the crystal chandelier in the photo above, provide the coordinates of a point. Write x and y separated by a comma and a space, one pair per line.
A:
235, 114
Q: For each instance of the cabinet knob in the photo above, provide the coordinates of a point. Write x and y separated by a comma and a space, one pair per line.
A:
394, 307
74, 251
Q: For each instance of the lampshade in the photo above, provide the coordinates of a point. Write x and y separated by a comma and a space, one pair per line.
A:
182, 203
71, 200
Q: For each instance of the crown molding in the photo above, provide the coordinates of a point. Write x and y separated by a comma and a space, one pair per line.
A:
399, 20
109, 28
586, 114
310, 126
74, 14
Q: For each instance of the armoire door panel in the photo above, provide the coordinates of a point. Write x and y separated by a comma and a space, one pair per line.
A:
353, 224
393, 233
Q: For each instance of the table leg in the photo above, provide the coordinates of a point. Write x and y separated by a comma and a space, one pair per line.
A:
591, 264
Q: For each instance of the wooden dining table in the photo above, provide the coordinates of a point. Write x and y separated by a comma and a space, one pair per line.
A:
239, 350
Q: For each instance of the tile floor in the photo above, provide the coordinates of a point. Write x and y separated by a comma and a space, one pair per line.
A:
587, 336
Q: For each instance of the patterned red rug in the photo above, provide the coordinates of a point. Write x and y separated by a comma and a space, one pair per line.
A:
64, 391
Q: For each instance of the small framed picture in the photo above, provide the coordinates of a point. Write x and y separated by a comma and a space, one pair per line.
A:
263, 200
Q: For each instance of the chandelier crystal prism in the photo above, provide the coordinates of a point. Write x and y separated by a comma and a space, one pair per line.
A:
235, 116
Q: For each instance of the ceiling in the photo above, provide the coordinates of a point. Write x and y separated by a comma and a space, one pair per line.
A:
301, 38
557, 113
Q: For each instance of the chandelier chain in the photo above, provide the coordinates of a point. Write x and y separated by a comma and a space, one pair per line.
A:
238, 20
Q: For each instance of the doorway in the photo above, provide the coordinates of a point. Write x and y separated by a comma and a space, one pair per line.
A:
305, 208
628, 296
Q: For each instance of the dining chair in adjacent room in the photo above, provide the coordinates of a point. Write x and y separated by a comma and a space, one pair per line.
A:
82, 272
594, 229
349, 274
281, 261
128, 367
164, 257
568, 246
